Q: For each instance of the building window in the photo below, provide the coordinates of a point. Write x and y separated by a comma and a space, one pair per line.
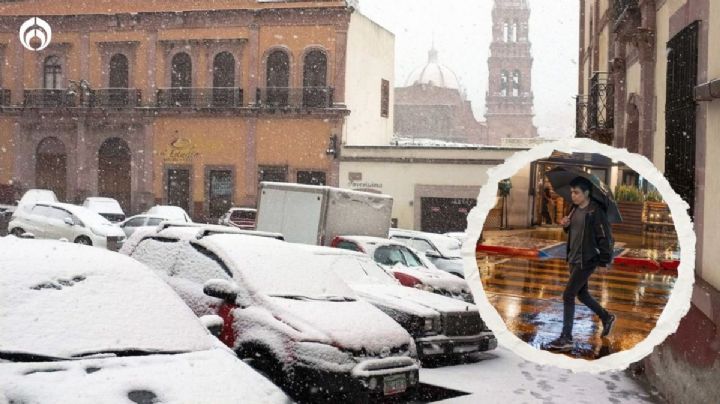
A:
504, 83
224, 93
273, 174
220, 189
315, 93
119, 71
385, 99
181, 79
52, 73
516, 83
513, 32
311, 177
506, 32
278, 78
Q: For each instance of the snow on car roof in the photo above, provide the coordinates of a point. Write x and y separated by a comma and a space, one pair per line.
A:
448, 246
374, 241
168, 212
61, 299
104, 205
275, 267
88, 217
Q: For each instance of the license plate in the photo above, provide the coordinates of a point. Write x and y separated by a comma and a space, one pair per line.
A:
394, 384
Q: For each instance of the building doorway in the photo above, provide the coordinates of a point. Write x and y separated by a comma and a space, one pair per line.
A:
51, 166
177, 187
114, 178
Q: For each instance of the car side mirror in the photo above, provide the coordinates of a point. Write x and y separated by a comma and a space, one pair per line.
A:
432, 254
213, 323
68, 221
221, 289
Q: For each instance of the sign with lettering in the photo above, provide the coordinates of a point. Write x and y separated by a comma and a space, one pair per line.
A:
181, 150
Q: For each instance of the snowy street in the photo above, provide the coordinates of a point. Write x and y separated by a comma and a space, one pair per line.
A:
504, 377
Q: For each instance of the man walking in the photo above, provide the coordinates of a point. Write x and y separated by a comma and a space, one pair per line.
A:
588, 248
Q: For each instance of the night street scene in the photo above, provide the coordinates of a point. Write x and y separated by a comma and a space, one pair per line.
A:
273, 201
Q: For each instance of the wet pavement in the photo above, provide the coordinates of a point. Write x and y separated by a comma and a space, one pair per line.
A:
527, 292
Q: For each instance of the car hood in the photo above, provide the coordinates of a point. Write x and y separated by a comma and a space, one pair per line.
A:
436, 278
215, 376
411, 300
108, 230
343, 324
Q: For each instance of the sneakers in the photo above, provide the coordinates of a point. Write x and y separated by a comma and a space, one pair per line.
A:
561, 344
608, 325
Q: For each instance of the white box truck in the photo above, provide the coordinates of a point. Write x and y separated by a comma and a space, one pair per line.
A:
314, 215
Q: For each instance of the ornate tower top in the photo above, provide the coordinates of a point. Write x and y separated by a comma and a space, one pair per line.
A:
509, 99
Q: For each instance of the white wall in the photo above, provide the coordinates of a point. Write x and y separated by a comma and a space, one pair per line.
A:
370, 59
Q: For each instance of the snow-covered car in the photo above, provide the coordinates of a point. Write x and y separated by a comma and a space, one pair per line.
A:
458, 235
441, 326
108, 208
291, 318
64, 221
242, 218
173, 213
133, 223
411, 268
443, 251
83, 325
36, 195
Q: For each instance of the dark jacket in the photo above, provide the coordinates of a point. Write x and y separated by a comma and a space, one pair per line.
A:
597, 241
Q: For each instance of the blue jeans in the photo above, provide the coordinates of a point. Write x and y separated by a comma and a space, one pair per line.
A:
577, 286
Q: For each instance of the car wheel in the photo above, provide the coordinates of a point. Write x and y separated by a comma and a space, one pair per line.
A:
83, 240
17, 232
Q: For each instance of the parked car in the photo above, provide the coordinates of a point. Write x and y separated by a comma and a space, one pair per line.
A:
408, 266
55, 220
91, 326
441, 326
441, 250
108, 208
458, 235
174, 213
242, 218
131, 224
290, 318
36, 195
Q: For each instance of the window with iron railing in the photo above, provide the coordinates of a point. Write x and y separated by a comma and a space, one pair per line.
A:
600, 110
624, 9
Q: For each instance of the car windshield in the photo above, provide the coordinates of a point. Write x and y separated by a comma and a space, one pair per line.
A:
357, 269
74, 301
276, 268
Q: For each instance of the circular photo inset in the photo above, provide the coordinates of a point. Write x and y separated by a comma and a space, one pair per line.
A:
582, 257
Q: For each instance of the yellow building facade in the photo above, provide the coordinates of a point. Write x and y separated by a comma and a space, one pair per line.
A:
178, 102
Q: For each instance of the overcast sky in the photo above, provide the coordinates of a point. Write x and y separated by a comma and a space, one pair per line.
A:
462, 31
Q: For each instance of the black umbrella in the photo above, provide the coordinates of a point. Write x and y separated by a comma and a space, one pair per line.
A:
560, 178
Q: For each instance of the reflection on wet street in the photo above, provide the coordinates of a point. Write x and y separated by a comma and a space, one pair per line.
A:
527, 292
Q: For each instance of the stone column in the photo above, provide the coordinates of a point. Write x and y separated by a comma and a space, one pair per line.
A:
618, 70
251, 167
253, 52
341, 38
150, 91
645, 42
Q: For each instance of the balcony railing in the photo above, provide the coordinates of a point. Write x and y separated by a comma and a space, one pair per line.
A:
601, 107
284, 97
116, 97
581, 116
49, 98
4, 97
183, 97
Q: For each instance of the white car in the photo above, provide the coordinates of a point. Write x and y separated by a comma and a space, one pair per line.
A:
410, 267
291, 318
441, 326
83, 325
108, 208
172, 213
36, 195
133, 223
64, 221
443, 251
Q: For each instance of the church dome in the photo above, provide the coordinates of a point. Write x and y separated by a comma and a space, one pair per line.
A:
434, 73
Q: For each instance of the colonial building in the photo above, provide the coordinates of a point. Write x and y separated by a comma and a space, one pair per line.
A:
650, 82
432, 105
509, 99
189, 103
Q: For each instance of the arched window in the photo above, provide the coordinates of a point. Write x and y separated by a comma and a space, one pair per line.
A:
224, 93
504, 83
315, 92
52, 73
516, 83
514, 32
278, 78
506, 31
181, 79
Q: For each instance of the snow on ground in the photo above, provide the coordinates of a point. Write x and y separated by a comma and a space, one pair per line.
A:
504, 377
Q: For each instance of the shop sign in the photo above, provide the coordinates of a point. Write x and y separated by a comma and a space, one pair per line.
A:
181, 150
